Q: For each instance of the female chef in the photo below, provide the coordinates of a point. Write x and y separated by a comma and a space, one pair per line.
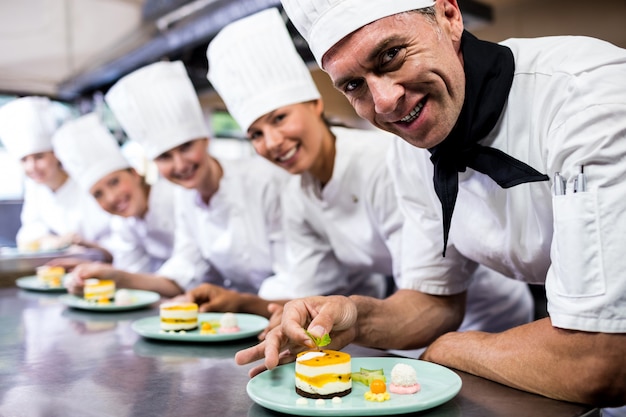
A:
227, 213
56, 211
142, 224
342, 222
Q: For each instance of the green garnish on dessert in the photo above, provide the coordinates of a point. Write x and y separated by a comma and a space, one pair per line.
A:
319, 341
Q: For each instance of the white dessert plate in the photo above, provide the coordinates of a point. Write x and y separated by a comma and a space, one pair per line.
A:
250, 325
275, 390
139, 299
32, 283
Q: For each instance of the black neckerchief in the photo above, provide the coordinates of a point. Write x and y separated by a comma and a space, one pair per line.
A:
489, 71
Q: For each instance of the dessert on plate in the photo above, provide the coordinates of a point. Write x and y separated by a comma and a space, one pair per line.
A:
206, 327
228, 323
123, 297
100, 291
178, 316
377, 392
323, 374
28, 246
50, 276
44, 243
403, 379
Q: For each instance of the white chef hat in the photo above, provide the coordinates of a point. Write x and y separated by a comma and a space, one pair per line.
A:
157, 106
323, 23
255, 67
27, 125
87, 150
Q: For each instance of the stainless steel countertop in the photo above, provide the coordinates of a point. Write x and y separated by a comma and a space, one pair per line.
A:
57, 361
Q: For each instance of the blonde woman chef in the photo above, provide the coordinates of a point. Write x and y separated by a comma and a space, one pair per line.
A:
227, 212
56, 210
142, 221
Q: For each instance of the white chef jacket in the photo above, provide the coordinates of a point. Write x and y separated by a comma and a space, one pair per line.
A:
67, 210
236, 240
144, 244
344, 238
566, 108
340, 237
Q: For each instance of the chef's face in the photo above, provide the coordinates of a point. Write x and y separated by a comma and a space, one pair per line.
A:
404, 73
42, 167
290, 136
187, 165
121, 193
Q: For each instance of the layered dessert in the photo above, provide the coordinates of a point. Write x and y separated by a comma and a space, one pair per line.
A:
403, 379
28, 246
323, 374
178, 316
99, 291
50, 276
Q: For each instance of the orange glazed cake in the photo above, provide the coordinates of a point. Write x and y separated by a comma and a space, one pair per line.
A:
323, 374
99, 290
178, 316
50, 276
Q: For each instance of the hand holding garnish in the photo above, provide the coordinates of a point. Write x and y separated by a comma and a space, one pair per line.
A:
319, 341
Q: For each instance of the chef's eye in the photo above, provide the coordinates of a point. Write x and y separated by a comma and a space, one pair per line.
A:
166, 156
391, 56
187, 146
279, 118
352, 85
254, 135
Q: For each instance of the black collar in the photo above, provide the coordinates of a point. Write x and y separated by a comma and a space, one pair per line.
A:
489, 69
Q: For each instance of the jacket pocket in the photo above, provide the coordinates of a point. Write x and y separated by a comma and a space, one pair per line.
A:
576, 246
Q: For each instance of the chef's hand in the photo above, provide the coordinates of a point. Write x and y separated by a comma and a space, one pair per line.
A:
98, 270
74, 285
88, 270
210, 297
276, 314
68, 263
335, 315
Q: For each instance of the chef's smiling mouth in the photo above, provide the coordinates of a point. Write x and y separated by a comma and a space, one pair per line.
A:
186, 174
414, 114
287, 156
122, 206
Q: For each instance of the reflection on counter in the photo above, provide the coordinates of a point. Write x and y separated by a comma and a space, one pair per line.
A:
156, 348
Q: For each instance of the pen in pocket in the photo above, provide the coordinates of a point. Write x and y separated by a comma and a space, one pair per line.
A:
580, 182
559, 184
